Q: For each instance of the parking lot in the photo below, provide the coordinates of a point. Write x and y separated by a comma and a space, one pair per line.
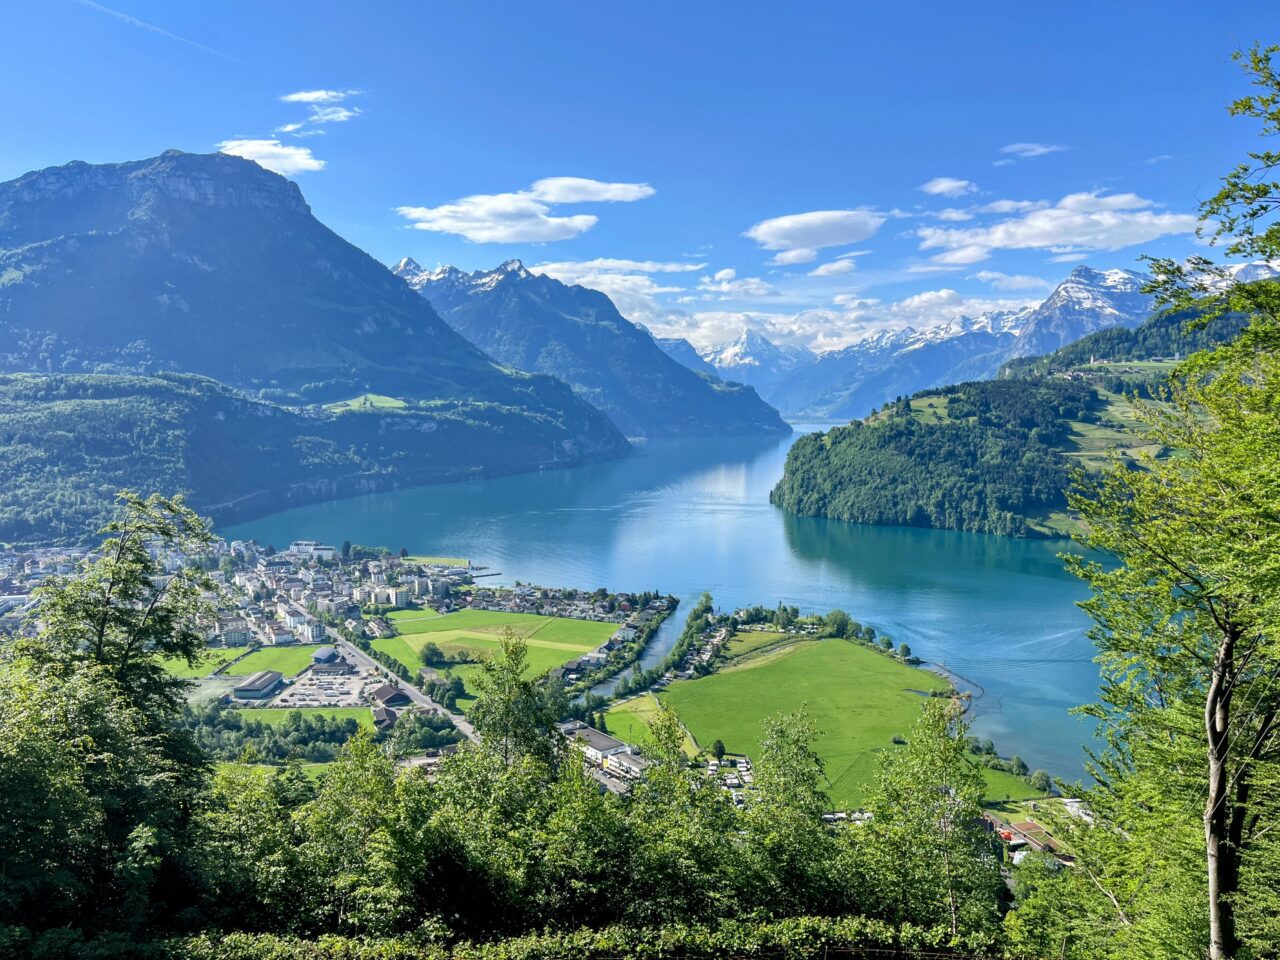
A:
312, 690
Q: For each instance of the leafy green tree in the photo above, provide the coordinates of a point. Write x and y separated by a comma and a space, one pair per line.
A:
717, 749
1040, 781
904, 651
789, 851
99, 785
837, 623
515, 715
928, 859
1177, 857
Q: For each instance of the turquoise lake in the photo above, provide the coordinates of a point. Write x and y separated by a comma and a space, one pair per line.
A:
684, 516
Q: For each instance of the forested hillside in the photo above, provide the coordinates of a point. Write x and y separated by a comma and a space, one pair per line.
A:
984, 456
68, 442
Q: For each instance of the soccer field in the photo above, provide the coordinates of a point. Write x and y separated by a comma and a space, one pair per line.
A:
209, 661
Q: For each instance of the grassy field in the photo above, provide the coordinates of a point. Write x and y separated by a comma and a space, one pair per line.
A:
366, 402
858, 700
313, 771
275, 716
749, 640
1003, 786
400, 617
290, 661
551, 641
630, 721
440, 561
210, 661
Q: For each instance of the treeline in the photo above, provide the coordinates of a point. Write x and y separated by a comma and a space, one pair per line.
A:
228, 734
1165, 335
990, 466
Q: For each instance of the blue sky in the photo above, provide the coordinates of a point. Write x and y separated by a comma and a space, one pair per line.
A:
815, 171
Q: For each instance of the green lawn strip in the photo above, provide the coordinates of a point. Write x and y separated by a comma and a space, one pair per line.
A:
585, 634
401, 650
1002, 785
749, 640
439, 561
630, 721
858, 700
398, 617
209, 661
276, 716
366, 402
313, 771
290, 661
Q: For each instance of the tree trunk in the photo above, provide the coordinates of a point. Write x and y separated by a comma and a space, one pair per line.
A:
1219, 857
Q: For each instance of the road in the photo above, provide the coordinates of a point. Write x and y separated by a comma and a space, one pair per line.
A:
365, 662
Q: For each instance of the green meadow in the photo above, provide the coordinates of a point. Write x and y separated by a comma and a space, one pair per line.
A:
366, 402
858, 699
290, 661
276, 716
209, 661
551, 641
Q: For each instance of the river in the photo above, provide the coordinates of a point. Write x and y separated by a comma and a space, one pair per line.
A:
684, 516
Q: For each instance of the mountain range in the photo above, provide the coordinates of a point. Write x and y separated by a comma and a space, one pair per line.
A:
850, 382
537, 323
209, 265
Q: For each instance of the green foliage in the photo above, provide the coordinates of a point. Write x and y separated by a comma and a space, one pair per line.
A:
990, 467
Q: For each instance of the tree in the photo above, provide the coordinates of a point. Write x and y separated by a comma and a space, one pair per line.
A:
717, 749
404, 552
431, 655
837, 623
904, 651
99, 785
512, 712
1040, 781
1018, 766
1178, 857
346, 549
927, 859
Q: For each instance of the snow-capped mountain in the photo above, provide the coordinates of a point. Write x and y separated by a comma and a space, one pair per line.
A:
848, 383
1086, 301
754, 359
535, 323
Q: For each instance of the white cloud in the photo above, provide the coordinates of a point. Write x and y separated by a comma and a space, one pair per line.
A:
1079, 222
318, 96
948, 187
953, 215
1014, 206
835, 268
288, 128
1028, 150
274, 155
582, 190
523, 216
616, 265
1159, 158
728, 286
852, 318
787, 258
332, 114
798, 236
1007, 281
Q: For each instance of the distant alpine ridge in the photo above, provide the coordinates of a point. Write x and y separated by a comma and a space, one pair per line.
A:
850, 382
118, 274
534, 322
